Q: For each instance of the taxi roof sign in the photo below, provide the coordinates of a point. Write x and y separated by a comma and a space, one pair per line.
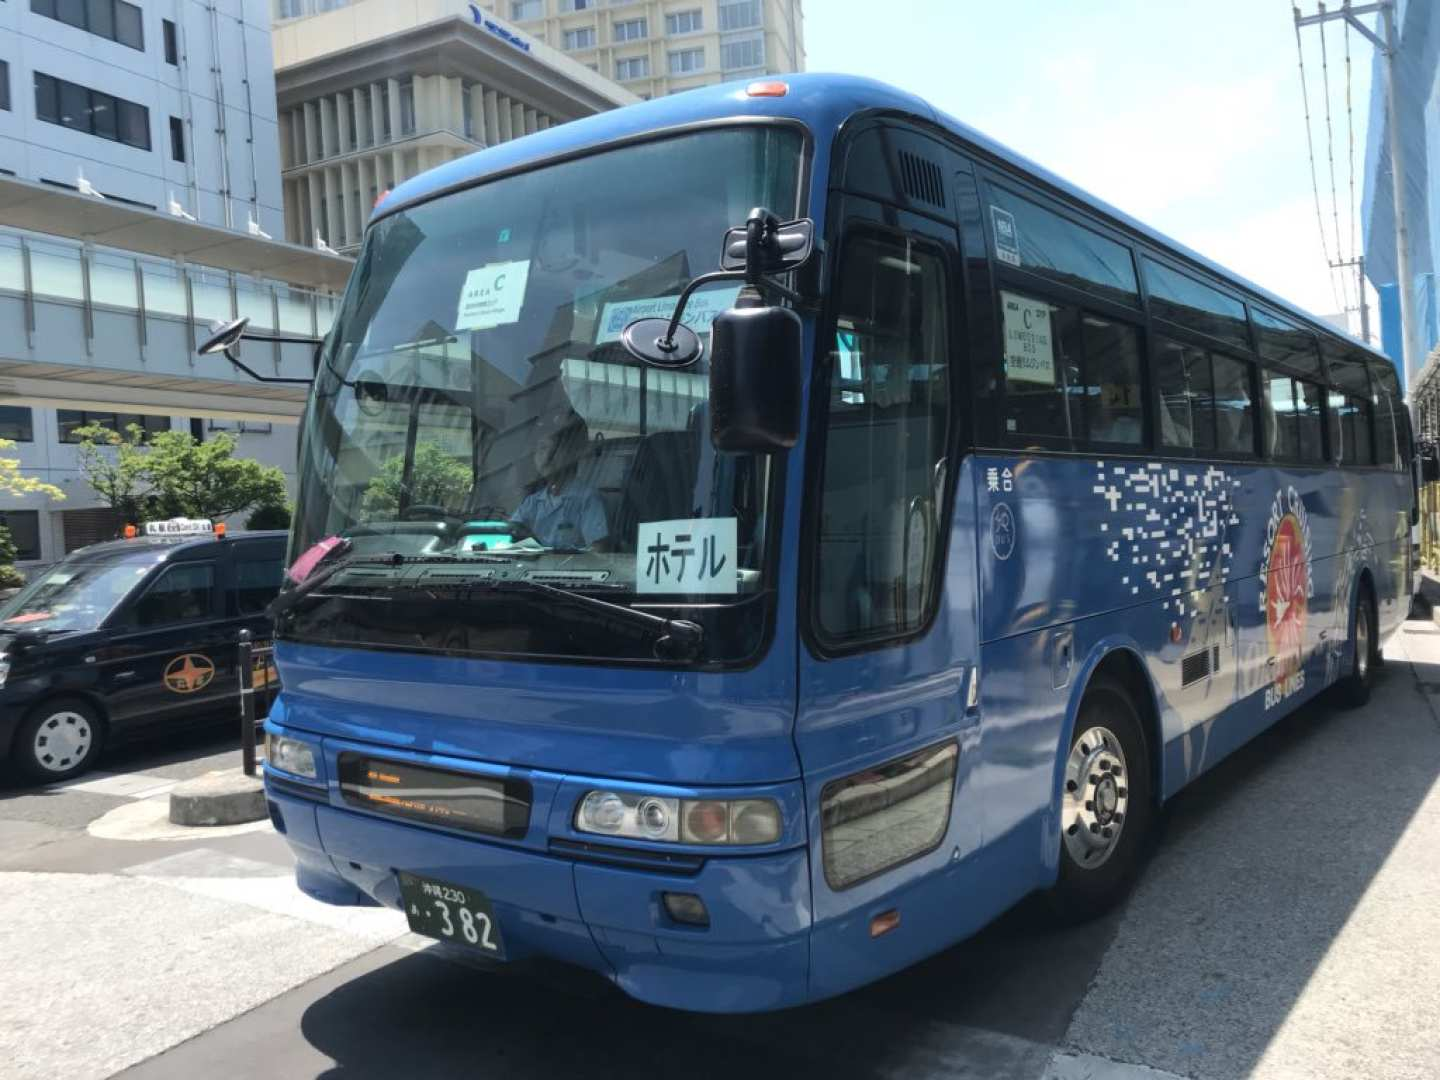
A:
179, 527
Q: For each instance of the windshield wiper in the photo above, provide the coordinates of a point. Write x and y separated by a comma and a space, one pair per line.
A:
676, 639
288, 601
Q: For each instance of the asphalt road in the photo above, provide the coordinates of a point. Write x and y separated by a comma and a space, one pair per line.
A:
1284, 929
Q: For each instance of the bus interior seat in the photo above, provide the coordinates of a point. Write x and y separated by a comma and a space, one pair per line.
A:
660, 485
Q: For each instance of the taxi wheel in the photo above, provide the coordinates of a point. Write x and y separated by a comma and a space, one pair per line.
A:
59, 739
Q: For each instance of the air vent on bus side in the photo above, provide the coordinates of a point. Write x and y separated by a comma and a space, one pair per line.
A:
1195, 667
922, 179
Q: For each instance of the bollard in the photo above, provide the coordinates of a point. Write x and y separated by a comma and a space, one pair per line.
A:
247, 705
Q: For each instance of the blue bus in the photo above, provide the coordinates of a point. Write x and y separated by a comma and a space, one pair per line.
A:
747, 541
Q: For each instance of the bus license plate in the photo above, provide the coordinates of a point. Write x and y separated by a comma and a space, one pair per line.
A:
451, 913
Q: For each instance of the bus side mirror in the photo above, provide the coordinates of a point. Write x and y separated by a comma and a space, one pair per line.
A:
755, 358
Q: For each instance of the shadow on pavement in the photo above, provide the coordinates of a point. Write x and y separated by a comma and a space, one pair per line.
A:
1262, 863
1260, 879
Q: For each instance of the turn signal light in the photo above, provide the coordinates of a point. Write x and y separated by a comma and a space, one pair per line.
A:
884, 922
768, 89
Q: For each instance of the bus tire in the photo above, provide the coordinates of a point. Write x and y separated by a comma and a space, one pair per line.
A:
1107, 805
1354, 687
60, 738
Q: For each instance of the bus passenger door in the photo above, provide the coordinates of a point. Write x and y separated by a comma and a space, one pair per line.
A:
883, 732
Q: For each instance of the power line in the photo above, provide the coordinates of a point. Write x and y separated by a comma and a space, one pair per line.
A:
1350, 130
1330, 155
1314, 175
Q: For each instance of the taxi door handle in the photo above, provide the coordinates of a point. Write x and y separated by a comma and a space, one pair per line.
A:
125, 675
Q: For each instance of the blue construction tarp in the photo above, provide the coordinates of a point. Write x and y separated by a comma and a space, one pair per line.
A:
1417, 73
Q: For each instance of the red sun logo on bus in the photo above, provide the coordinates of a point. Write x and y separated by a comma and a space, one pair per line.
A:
1286, 595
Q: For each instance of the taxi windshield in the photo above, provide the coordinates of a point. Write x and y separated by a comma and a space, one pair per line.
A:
73, 595
474, 396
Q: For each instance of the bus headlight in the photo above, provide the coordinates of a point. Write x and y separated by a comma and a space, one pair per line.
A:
291, 756
688, 821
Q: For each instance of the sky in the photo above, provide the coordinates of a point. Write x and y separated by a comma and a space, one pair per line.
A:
1186, 115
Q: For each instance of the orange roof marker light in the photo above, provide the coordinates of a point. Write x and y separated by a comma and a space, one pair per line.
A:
130, 532
768, 89
220, 530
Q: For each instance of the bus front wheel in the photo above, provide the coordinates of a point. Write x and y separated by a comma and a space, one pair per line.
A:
1106, 802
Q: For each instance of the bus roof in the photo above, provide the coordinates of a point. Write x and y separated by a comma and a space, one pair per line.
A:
822, 102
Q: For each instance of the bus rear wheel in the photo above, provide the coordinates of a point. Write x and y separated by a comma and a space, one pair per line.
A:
1106, 805
1354, 687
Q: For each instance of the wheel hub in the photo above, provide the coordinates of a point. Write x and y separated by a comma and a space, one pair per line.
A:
1096, 797
62, 741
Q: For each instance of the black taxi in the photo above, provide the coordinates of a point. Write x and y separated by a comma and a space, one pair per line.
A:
124, 637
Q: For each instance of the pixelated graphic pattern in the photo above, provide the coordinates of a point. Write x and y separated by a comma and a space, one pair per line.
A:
1168, 529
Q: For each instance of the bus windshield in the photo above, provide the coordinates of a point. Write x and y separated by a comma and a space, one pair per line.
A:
474, 403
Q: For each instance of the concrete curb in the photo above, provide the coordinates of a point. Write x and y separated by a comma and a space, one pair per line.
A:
218, 798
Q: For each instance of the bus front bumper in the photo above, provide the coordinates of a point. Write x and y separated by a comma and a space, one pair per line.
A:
753, 956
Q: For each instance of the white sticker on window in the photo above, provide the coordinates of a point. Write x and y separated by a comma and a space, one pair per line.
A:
700, 311
492, 295
693, 555
1007, 236
1029, 353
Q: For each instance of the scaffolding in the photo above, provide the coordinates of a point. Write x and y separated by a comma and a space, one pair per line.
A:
1425, 399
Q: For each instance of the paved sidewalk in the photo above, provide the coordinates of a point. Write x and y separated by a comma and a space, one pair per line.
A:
1289, 930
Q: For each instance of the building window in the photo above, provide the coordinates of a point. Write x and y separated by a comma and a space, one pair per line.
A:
407, 107
177, 138
631, 30
584, 38
5, 85
739, 14
683, 22
385, 110
81, 109
24, 526
113, 19
16, 423
172, 45
72, 420
579, 5
520, 10
686, 61
747, 53
632, 67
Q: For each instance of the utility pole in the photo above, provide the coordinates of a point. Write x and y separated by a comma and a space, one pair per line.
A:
1358, 265
1388, 45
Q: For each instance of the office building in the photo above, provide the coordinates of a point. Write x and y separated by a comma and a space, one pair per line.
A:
656, 47
373, 92
139, 190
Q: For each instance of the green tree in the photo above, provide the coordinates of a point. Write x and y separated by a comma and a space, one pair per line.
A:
189, 478
270, 516
10, 578
15, 483
115, 466
174, 475
436, 479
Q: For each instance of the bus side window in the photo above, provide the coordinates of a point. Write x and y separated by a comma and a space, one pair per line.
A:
887, 429
1234, 408
1043, 385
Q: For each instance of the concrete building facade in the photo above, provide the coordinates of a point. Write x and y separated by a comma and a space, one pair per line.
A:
139, 188
169, 100
373, 92
658, 47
